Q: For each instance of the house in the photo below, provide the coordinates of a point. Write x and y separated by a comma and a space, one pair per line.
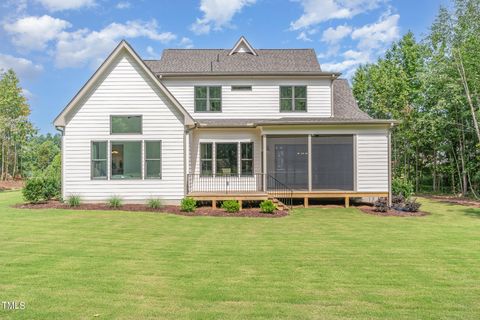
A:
239, 123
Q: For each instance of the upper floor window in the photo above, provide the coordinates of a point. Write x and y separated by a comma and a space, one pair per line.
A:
293, 98
208, 99
125, 124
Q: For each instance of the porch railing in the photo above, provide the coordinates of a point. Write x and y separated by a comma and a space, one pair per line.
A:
280, 191
225, 184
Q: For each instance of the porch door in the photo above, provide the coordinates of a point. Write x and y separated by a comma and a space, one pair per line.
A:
287, 159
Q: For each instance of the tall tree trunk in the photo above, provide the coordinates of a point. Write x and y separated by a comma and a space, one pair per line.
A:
463, 77
434, 185
464, 172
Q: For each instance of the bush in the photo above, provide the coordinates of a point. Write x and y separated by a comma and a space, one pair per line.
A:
231, 206
154, 203
115, 202
267, 206
401, 186
381, 205
188, 204
41, 188
411, 205
74, 201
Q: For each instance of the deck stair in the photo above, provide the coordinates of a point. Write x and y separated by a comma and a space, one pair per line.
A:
279, 204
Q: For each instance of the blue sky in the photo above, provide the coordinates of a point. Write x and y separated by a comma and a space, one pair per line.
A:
56, 45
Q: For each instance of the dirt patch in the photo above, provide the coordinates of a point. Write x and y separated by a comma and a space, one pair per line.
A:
201, 211
456, 200
11, 185
391, 212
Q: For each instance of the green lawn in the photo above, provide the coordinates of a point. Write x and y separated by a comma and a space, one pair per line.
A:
314, 264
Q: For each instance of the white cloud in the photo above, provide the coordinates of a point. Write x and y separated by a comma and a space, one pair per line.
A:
186, 43
379, 34
33, 33
334, 35
76, 49
60, 5
123, 5
305, 35
24, 68
217, 14
317, 11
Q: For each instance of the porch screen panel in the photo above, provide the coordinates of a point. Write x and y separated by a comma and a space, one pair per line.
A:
332, 162
287, 160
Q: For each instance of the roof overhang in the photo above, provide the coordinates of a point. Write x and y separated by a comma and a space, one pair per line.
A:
122, 47
270, 123
265, 75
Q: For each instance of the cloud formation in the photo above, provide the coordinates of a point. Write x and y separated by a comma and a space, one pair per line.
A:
60, 5
24, 68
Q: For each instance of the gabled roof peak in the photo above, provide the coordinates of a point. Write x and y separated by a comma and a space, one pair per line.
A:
242, 46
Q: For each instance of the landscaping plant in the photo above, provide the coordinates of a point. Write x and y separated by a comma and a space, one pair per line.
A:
114, 202
40, 188
74, 201
267, 206
411, 205
154, 203
188, 204
381, 205
231, 206
402, 187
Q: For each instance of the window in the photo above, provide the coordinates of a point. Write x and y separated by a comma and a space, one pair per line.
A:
241, 88
247, 158
99, 160
206, 159
293, 98
226, 159
208, 99
153, 159
126, 160
125, 124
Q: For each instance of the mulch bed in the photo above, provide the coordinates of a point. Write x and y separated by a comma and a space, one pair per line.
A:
391, 212
11, 185
456, 200
201, 211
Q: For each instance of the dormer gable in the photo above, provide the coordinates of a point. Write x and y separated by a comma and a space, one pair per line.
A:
242, 46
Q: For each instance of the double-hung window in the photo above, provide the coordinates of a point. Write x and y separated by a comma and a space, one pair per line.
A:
206, 159
99, 160
293, 98
153, 159
208, 99
247, 158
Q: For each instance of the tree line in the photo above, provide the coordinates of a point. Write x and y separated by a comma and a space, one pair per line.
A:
432, 87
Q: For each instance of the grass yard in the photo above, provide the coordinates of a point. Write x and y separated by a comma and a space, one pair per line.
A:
313, 264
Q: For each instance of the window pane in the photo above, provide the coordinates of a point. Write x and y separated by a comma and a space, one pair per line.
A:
206, 151
215, 92
286, 105
201, 92
247, 167
200, 105
301, 92
99, 169
152, 149
285, 92
127, 160
206, 169
215, 105
300, 104
153, 169
126, 124
99, 150
226, 158
247, 150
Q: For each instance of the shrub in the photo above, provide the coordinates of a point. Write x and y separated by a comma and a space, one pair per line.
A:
381, 205
401, 186
41, 188
231, 206
115, 202
188, 204
267, 206
154, 203
74, 201
411, 205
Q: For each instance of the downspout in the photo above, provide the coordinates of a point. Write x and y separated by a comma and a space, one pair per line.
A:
62, 179
390, 165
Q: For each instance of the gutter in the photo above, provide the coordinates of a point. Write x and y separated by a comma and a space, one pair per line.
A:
323, 74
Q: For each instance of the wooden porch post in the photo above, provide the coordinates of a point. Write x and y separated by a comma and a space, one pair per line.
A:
264, 162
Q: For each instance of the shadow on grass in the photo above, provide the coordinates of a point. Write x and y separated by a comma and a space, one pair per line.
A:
472, 212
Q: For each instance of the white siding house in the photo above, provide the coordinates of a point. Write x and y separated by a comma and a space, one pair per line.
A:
218, 124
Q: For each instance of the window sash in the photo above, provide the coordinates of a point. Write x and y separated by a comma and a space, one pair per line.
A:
96, 145
227, 163
211, 102
293, 98
206, 159
116, 125
246, 161
153, 161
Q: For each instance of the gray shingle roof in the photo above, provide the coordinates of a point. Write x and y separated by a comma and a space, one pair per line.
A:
219, 60
345, 110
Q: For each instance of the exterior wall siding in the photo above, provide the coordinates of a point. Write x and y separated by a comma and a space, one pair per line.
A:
372, 162
124, 90
263, 101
